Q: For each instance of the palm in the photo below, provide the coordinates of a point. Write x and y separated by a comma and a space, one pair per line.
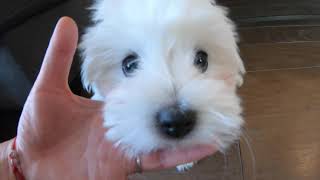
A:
69, 127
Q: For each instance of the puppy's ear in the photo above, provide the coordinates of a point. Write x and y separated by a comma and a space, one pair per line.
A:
238, 68
99, 67
241, 70
87, 74
89, 48
234, 75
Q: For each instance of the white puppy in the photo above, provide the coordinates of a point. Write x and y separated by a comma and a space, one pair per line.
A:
167, 71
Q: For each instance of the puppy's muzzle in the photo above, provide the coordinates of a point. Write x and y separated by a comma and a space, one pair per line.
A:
176, 122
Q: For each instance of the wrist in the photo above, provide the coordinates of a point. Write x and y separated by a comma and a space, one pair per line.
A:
5, 169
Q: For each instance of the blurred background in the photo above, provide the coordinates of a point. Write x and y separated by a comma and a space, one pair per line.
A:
280, 45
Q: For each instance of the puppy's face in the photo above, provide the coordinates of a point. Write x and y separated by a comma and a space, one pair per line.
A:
167, 72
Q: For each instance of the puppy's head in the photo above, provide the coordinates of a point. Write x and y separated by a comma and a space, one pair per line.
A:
167, 72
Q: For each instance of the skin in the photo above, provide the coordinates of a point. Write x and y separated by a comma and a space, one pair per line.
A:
60, 135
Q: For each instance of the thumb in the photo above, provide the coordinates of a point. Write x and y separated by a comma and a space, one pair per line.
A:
58, 59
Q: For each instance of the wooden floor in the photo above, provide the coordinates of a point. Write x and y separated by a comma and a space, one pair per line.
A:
281, 98
282, 105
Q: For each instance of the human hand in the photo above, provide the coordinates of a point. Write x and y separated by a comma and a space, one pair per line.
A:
61, 135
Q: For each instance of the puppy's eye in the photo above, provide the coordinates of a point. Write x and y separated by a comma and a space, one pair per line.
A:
130, 64
201, 61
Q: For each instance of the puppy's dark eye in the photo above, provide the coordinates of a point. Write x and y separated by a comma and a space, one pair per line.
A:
130, 64
201, 61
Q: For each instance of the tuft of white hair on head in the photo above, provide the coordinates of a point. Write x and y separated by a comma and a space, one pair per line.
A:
114, 18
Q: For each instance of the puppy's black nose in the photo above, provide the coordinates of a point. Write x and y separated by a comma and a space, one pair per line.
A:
176, 122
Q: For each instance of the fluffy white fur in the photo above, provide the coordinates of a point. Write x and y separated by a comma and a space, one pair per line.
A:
165, 35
